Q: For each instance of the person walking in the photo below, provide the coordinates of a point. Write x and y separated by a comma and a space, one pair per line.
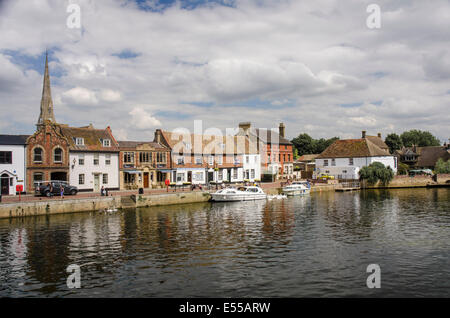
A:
61, 190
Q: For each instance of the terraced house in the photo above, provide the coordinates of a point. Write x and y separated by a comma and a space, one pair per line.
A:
202, 159
143, 164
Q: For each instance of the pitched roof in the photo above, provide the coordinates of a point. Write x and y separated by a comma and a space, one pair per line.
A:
351, 148
308, 157
92, 138
13, 139
428, 156
133, 144
208, 144
378, 141
269, 136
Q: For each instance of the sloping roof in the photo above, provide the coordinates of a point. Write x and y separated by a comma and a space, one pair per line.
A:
309, 157
92, 138
428, 156
269, 136
133, 144
13, 139
378, 141
352, 148
208, 144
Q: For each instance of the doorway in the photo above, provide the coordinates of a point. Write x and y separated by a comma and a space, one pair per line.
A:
96, 182
146, 184
210, 176
189, 176
5, 184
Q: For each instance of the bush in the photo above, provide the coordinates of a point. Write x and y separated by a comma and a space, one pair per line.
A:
376, 172
442, 166
403, 168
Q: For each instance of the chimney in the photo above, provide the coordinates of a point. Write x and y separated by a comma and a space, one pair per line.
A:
363, 134
158, 136
245, 126
379, 135
281, 130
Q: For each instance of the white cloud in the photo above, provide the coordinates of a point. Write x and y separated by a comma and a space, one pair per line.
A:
80, 96
110, 95
143, 120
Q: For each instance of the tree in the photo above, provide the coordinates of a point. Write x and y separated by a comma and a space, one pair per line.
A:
375, 172
419, 138
394, 142
304, 144
402, 168
321, 144
442, 166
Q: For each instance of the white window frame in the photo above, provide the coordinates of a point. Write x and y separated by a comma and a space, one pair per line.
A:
79, 141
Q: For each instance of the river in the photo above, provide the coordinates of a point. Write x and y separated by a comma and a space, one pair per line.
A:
314, 246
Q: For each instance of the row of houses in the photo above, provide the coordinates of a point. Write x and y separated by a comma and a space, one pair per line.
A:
92, 158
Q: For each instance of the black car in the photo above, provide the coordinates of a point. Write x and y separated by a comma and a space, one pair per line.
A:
44, 188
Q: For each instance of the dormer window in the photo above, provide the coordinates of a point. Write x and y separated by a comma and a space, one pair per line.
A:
106, 142
79, 141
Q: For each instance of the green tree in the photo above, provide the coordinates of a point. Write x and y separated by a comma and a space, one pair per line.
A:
419, 138
402, 168
442, 166
394, 142
321, 144
304, 144
376, 171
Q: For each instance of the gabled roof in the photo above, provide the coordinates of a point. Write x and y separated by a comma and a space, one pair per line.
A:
428, 156
352, 148
309, 157
125, 144
92, 138
378, 141
13, 139
208, 144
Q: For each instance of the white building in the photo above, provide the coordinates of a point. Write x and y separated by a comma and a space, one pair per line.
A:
12, 163
93, 158
252, 167
344, 158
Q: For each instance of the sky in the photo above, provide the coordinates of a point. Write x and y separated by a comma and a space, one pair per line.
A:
314, 65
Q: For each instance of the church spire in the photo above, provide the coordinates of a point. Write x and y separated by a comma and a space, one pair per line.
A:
46, 101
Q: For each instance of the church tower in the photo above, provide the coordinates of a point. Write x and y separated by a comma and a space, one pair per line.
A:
46, 101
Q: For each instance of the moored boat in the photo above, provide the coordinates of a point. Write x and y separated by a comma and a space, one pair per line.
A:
239, 194
297, 188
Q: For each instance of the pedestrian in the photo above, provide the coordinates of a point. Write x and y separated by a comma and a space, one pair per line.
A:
61, 190
102, 191
50, 188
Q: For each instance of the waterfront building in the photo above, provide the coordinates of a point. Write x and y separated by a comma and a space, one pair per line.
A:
93, 158
12, 163
276, 152
143, 164
201, 159
344, 158
423, 157
305, 165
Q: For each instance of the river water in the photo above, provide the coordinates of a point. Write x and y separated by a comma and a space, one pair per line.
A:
314, 246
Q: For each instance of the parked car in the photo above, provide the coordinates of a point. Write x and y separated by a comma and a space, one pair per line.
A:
43, 188
326, 177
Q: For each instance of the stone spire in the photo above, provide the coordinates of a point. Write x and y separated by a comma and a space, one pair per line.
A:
46, 101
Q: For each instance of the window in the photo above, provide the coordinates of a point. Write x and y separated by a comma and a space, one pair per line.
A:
37, 155
284, 157
105, 178
180, 160
236, 160
180, 177
81, 178
37, 178
79, 141
350, 161
211, 160
107, 159
161, 157
247, 159
197, 176
289, 157
325, 162
235, 173
220, 175
395, 162
6, 157
106, 143
333, 162
219, 160
57, 155
198, 160
145, 157
81, 159
128, 157
252, 173
96, 159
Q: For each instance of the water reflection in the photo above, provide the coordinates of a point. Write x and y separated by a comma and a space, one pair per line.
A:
317, 245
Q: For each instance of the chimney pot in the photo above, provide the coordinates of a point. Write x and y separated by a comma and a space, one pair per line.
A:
281, 130
379, 135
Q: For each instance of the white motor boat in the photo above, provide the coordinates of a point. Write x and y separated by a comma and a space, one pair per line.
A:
240, 194
297, 188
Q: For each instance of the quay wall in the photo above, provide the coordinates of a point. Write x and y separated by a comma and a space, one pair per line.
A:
171, 198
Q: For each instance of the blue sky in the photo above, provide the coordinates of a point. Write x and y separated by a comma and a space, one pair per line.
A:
138, 66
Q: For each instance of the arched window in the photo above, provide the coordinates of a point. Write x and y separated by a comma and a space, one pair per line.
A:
37, 155
57, 155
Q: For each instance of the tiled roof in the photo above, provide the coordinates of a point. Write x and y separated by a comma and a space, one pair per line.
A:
208, 144
378, 141
13, 139
428, 156
92, 138
134, 144
352, 148
309, 157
